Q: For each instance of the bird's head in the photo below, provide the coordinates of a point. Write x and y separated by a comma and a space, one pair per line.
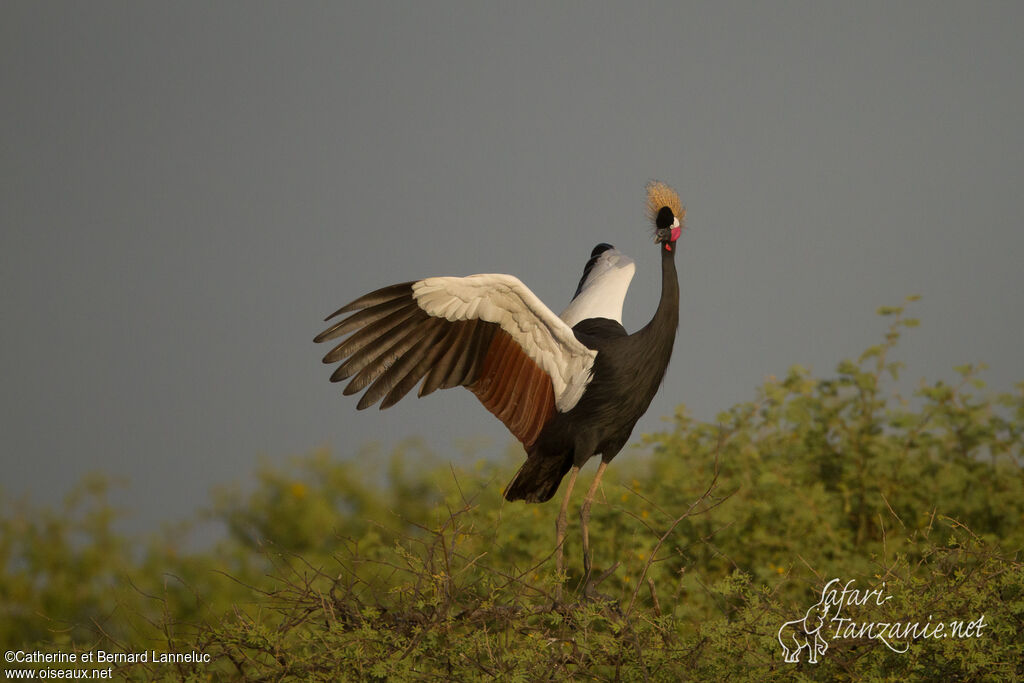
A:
666, 212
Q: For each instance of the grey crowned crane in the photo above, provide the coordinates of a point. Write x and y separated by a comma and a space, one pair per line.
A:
568, 387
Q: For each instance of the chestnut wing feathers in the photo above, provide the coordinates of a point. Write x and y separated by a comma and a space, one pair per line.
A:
488, 333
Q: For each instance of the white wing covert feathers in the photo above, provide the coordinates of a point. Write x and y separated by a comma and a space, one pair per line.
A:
602, 290
503, 299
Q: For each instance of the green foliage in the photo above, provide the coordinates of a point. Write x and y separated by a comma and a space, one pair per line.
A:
716, 533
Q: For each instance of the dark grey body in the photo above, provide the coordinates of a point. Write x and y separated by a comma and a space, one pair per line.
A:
627, 372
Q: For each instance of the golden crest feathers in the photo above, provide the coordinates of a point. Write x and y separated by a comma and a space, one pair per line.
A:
660, 194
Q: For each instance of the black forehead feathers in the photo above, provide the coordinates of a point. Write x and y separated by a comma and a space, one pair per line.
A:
665, 218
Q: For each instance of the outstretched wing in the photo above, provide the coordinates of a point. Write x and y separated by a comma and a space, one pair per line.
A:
602, 288
489, 333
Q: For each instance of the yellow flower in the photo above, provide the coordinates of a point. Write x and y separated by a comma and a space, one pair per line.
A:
298, 490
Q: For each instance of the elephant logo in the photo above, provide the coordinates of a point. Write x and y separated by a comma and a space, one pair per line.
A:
796, 635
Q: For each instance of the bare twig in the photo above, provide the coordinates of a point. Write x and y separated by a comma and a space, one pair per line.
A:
661, 541
654, 596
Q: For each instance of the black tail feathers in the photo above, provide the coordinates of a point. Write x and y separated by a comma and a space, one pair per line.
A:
538, 479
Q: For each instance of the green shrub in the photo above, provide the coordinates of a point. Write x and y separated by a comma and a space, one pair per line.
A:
715, 535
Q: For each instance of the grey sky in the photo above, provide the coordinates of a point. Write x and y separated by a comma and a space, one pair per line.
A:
188, 188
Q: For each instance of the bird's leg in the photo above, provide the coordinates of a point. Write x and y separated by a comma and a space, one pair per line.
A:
561, 526
585, 520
